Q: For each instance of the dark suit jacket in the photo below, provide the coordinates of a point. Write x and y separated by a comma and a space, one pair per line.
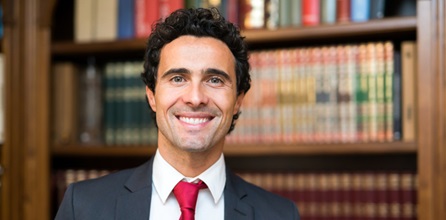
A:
126, 195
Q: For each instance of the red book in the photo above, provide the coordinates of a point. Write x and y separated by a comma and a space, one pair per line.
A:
310, 12
166, 7
146, 13
342, 10
394, 196
408, 196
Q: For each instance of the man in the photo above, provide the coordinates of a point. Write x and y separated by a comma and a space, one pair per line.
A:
196, 72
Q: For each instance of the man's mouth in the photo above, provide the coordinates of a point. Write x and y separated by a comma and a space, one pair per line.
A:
194, 121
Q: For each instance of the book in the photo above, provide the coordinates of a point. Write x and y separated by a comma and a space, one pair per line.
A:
64, 90
359, 10
377, 9
90, 104
272, 14
166, 7
408, 79
106, 13
310, 12
342, 11
296, 13
252, 14
146, 12
126, 19
328, 11
285, 11
393, 82
84, 20
400, 8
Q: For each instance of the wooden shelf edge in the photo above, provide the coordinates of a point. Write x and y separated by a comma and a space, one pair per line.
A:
72, 48
373, 27
245, 150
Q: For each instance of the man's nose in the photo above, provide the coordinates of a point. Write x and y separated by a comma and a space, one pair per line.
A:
196, 95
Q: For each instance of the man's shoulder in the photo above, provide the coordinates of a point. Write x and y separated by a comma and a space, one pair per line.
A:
113, 179
264, 203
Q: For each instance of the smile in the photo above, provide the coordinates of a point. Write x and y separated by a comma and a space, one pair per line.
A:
194, 121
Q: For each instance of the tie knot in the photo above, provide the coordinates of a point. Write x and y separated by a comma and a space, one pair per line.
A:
186, 194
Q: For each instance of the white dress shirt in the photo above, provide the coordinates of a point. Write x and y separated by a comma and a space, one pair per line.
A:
210, 202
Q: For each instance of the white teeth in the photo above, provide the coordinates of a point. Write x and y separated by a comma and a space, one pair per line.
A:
194, 121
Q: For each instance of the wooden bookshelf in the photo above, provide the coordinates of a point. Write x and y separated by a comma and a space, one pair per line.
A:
399, 25
30, 49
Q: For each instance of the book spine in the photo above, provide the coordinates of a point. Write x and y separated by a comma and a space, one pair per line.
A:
342, 11
328, 11
393, 92
91, 105
285, 11
296, 13
106, 13
83, 21
126, 22
109, 103
146, 13
377, 9
252, 14
360, 10
394, 185
310, 12
380, 92
408, 75
272, 14
371, 72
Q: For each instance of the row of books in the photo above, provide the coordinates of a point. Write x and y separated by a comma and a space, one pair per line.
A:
330, 94
344, 195
318, 195
95, 105
106, 20
272, 14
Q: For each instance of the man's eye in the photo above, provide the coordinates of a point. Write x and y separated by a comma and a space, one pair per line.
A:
215, 80
177, 79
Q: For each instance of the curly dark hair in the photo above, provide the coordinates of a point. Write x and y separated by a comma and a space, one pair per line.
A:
198, 22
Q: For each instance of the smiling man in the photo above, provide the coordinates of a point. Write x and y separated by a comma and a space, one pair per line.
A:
196, 73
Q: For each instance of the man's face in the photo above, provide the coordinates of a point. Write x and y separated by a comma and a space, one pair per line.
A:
195, 95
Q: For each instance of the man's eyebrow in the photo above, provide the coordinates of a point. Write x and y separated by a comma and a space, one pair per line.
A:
175, 71
217, 72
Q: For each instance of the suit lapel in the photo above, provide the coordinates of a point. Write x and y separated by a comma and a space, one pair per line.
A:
136, 204
235, 207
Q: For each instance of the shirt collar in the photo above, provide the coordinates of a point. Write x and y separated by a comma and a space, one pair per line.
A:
165, 177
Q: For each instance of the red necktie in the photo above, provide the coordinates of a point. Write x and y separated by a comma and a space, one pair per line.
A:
186, 194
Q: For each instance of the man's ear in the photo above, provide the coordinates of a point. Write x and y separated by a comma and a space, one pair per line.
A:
151, 98
238, 103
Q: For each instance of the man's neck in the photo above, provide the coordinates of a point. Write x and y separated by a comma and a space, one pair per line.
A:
190, 164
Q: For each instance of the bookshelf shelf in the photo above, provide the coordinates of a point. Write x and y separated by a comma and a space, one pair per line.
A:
245, 149
375, 27
396, 25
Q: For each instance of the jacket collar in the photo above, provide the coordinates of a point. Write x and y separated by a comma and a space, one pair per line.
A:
136, 204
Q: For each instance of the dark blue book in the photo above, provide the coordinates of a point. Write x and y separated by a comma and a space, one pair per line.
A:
397, 126
377, 9
126, 21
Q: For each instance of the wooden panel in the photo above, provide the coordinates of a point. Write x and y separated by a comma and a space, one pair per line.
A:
431, 132
26, 161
